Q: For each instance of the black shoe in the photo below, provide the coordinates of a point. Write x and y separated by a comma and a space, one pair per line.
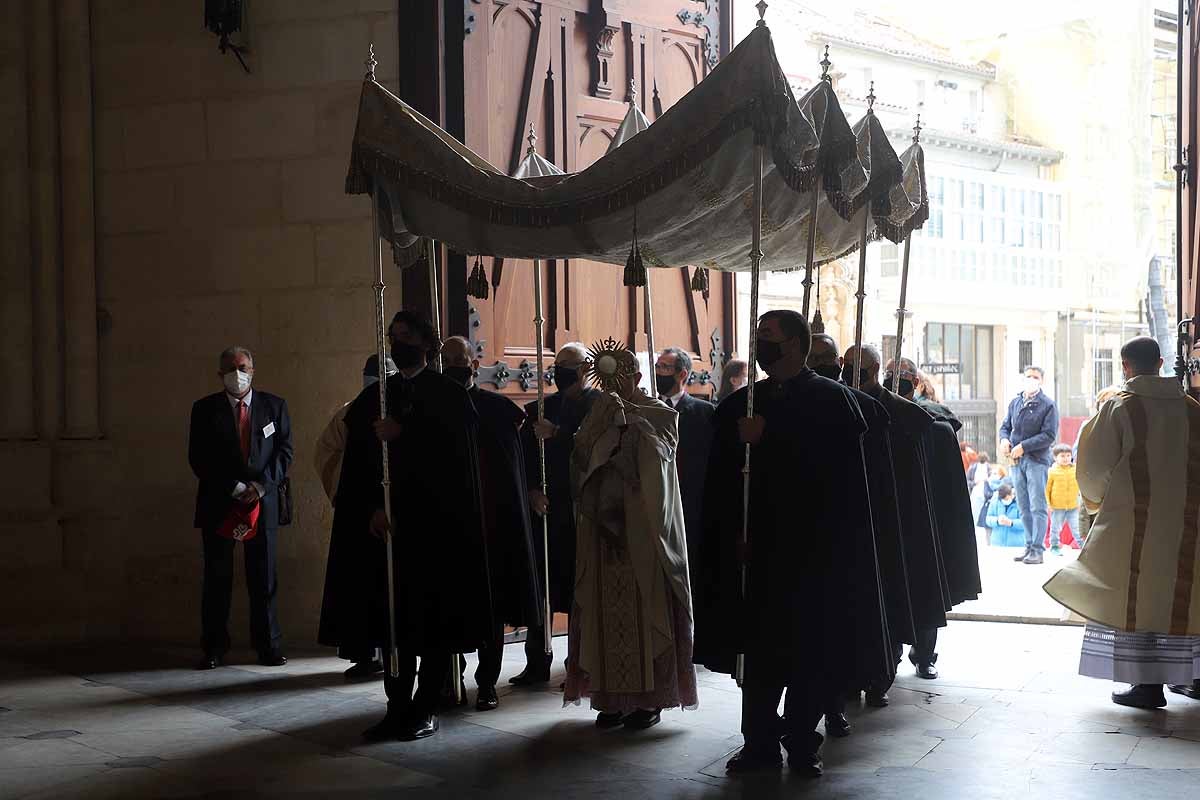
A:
837, 725
1023, 556
642, 719
876, 699
364, 669
531, 675
486, 699
272, 658
1143, 695
386, 729
927, 671
609, 719
1032, 558
757, 760
806, 760
1188, 690
420, 727
209, 661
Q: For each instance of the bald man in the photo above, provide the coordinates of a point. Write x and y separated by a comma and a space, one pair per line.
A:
882, 545
516, 597
565, 410
929, 592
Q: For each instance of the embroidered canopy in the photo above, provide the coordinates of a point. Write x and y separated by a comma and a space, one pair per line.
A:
686, 181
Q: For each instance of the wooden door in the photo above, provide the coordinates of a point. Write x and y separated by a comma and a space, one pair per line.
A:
564, 67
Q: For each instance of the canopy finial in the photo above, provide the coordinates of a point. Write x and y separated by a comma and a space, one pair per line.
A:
917, 130
761, 5
531, 138
825, 65
632, 90
871, 98
370, 62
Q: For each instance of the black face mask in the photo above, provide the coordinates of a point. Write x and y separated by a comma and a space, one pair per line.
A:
768, 353
905, 389
665, 384
460, 375
848, 376
827, 371
406, 355
565, 377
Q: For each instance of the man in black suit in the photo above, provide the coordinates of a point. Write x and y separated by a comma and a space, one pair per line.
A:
565, 411
696, 419
240, 448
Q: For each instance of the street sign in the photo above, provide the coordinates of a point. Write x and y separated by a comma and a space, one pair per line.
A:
941, 369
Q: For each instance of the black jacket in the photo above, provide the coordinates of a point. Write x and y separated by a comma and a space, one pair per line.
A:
696, 424
215, 455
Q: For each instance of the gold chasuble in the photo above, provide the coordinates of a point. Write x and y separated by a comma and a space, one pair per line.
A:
1139, 464
630, 643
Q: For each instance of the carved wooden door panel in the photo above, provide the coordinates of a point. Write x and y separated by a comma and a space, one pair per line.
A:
564, 67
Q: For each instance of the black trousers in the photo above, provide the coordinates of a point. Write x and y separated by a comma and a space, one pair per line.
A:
491, 656
925, 650
765, 680
435, 666
535, 646
262, 585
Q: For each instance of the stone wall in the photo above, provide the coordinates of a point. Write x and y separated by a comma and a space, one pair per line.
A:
219, 219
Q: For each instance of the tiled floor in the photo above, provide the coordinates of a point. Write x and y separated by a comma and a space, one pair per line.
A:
1008, 719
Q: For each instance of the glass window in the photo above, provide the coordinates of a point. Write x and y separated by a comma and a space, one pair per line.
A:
889, 260
983, 360
1024, 354
1102, 370
933, 342
967, 375
996, 199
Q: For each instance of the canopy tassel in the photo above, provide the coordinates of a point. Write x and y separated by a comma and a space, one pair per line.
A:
635, 268
700, 281
818, 324
477, 284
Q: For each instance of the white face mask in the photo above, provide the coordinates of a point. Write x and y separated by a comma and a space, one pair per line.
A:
1006, 501
236, 382
1032, 385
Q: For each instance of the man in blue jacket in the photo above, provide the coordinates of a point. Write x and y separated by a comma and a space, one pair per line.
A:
1028, 433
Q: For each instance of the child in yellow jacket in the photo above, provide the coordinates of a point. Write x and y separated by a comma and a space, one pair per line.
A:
1062, 496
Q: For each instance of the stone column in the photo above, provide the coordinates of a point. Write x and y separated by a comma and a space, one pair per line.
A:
16, 290
78, 221
43, 192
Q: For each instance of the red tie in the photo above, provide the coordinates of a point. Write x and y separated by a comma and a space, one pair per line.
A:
244, 428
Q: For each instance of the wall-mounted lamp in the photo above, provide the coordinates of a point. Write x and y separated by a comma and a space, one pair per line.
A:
225, 18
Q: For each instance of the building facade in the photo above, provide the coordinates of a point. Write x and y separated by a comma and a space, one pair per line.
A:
1041, 230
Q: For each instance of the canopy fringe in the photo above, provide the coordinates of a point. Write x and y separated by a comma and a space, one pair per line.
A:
477, 283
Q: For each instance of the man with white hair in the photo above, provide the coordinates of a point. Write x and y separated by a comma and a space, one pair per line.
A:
565, 411
240, 448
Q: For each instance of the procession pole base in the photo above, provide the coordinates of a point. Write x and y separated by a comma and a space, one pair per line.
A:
394, 663
456, 669
739, 670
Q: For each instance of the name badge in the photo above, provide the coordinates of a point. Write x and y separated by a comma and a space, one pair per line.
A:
268, 429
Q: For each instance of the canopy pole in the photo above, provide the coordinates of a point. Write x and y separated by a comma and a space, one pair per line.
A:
903, 309
386, 482
812, 246
538, 326
861, 294
435, 318
650, 329
755, 265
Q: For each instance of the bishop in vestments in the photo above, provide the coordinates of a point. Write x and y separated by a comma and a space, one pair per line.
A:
630, 640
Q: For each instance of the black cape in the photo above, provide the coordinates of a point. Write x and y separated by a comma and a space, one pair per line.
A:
354, 604
516, 593
812, 599
691, 461
952, 510
885, 512
928, 591
443, 592
568, 415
